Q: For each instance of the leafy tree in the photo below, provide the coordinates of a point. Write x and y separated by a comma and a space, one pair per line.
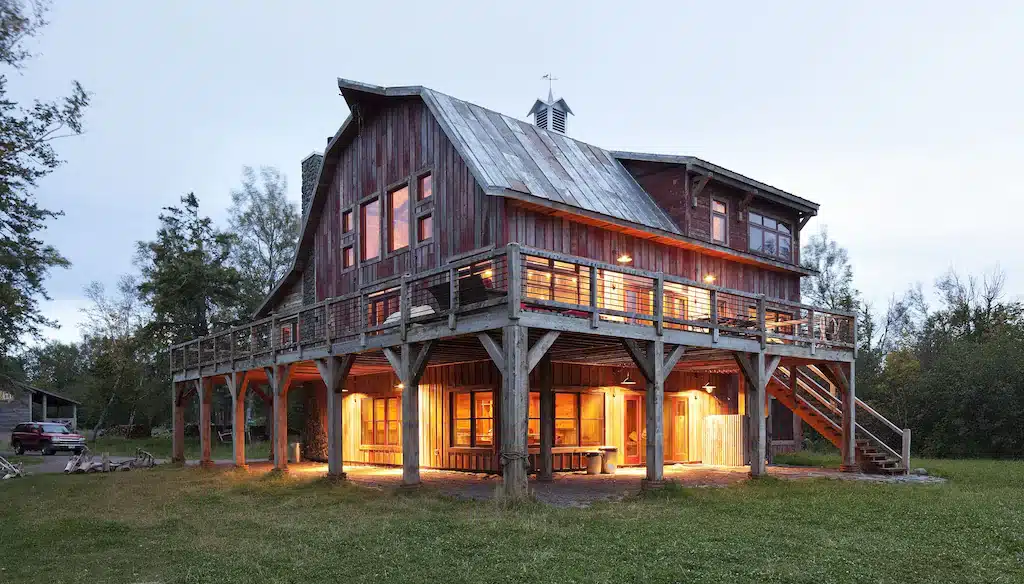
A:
186, 279
58, 366
831, 286
266, 226
27, 133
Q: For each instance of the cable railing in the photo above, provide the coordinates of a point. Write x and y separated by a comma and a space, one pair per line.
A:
524, 279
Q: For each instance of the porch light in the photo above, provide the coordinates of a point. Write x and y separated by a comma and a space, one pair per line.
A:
399, 386
708, 387
624, 258
709, 279
628, 380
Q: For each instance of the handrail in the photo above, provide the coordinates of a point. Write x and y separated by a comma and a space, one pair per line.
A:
880, 442
879, 417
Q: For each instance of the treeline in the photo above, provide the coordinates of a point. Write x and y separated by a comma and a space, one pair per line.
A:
952, 371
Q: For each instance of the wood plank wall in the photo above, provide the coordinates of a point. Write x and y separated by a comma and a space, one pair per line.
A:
439, 382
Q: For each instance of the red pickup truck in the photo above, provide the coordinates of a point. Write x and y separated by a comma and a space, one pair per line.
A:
47, 437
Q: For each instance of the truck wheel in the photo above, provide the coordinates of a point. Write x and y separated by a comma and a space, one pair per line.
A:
18, 448
47, 451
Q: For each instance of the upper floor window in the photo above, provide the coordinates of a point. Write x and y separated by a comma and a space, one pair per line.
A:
770, 236
719, 222
369, 225
398, 219
424, 228
348, 257
426, 188
346, 221
473, 415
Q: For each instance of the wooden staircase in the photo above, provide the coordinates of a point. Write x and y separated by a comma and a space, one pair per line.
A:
822, 409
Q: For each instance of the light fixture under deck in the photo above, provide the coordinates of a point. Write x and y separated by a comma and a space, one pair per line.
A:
628, 380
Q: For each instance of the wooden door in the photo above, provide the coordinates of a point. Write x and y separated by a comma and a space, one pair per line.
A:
633, 430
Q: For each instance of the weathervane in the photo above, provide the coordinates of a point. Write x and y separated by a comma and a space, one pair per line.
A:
550, 77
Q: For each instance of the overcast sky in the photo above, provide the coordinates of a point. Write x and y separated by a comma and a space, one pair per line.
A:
905, 121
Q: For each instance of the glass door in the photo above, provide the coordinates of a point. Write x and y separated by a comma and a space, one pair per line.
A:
633, 430
680, 430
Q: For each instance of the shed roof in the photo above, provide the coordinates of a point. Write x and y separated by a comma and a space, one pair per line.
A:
22, 386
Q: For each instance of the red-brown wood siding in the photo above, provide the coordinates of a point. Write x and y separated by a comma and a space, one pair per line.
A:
396, 143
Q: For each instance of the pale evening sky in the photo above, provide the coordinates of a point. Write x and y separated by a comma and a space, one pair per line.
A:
903, 120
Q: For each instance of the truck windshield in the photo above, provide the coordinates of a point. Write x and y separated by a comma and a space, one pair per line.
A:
55, 429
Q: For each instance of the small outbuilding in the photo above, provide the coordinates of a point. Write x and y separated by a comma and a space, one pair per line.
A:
21, 402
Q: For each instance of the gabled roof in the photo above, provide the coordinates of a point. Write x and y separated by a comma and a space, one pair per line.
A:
22, 386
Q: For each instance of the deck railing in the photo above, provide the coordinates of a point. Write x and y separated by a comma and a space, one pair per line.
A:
526, 279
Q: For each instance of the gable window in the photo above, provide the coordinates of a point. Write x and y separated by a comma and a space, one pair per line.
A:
770, 236
424, 228
369, 225
348, 257
426, 188
398, 219
473, 418
381, 419
719, 222
346, 221
579, 419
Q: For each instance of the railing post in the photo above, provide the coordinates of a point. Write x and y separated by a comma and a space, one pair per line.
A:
453, 296
659, 304
231, 346
810, 327
199, 351
906, 449
328, 333
515, 280
403, 305
595, 316
364, 319
275, 338
762, 317
714, 316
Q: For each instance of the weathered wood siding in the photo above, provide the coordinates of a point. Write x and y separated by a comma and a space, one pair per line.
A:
562, 234
395, 145
291, 299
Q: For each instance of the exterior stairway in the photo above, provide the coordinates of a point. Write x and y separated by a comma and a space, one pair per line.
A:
821, 408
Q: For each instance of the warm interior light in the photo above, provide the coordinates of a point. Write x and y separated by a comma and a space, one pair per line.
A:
624, 258
488, 274
708, 387
710, 278
628, 380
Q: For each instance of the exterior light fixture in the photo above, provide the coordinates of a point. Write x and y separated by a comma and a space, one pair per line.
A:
487, 275
709, 279
399, 386
628, 380
624, 258
708, 387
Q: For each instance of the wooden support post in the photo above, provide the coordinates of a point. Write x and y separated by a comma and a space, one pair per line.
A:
409, 363
849, 444
279, 377
334, 371
655, 367
178, 430
205, 390
238, 382
905, 451
547, 421
757, 370
515, 395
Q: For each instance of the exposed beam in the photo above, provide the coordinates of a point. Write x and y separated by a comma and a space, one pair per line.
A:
639, 358
673, 358
540, 348
493, 350
770, 366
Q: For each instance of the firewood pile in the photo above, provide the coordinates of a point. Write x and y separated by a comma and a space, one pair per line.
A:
9, 470
86, 462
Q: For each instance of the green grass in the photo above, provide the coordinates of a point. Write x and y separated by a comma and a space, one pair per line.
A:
160, 447
809, 458
187, 525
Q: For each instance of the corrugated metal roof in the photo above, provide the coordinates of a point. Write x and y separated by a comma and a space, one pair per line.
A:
510, 156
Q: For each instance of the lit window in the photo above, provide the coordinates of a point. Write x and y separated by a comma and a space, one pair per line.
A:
348, 257
719, 221
591, 419
579, 419
769, 236
381, 421
369, 224
473, 414
287, 334
533, 423
424, 228
346, 221
398, 219
426, 188
566, 417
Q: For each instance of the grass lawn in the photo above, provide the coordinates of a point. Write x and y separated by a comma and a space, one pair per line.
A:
187, 525
160, 447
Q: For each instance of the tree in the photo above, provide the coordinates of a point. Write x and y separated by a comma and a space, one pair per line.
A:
186, 279
831, 286
266, 226
26, 155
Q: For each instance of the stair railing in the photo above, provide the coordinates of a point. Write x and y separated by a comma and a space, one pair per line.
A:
903, 433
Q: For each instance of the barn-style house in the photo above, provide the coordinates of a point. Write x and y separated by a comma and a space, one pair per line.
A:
472, 291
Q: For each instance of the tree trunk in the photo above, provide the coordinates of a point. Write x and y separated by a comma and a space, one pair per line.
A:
314, 430
103, 414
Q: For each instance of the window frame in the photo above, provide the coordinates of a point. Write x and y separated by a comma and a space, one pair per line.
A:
387, 421
763, 229
725, 221
418, 198
578, 420
362, 236
344, 249
424, 240
473, 419
350, 214
388, 219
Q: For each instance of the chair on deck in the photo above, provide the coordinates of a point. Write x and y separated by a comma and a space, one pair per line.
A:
471, 291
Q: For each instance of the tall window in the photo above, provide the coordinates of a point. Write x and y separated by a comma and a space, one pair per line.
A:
591, 419
369, 226
566, 419
473, 415
770, 236
398, 219
426, 188
381, 421
719, 222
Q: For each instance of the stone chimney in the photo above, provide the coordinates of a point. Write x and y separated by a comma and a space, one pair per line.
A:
551, 115
310, 170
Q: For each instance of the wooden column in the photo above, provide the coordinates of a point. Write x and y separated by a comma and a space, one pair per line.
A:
178, 423
237, 383
655, 366
409, 362
205, 389
46, 412
515, 359
849, 444
334, 371
758, 370
547, 420
279, 377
